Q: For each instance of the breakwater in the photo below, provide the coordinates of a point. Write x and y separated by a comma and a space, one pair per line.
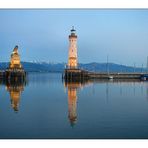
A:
78, 74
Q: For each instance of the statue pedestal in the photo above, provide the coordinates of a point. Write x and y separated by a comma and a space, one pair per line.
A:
15, 74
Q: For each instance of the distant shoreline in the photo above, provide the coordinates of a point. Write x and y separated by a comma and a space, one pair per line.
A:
43, 67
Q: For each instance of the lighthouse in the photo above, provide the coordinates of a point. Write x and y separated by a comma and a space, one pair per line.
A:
72, 56
72, 70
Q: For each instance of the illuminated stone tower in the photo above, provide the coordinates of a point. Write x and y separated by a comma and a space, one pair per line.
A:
72, 57
15, 59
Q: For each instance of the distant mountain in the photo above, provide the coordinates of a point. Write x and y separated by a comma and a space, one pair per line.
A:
111, 67
59, 67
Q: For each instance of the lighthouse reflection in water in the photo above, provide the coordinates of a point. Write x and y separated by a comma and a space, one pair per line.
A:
72, 101
72, 89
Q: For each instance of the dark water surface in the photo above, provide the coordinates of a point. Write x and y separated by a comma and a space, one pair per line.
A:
49, 108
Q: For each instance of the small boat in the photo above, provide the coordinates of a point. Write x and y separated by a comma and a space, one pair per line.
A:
144, 77
110, 77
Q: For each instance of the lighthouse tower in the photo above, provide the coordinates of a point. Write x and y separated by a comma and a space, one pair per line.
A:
72, 57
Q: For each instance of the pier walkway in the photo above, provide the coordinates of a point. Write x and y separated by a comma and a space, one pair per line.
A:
84, 74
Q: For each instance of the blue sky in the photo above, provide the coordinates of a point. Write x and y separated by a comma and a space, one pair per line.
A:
42, 35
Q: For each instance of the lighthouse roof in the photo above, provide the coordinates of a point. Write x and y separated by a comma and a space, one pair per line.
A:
73, 33
72, 30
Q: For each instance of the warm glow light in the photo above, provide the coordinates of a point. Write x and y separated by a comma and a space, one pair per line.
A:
72, 58
15, 59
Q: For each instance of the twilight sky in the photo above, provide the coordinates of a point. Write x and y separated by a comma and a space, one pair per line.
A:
42, 35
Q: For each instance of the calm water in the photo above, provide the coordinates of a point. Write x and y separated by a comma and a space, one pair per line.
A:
46, 107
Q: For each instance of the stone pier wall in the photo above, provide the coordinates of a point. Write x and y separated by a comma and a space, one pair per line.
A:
78, 74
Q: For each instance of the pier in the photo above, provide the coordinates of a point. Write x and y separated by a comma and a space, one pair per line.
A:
75, 75
13, 76
72, 71
2, 74
82, 75
97, 75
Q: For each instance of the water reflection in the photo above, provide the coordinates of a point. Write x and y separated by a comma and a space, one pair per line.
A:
72, 88
72, 102
92, 109
147, 91
15, 88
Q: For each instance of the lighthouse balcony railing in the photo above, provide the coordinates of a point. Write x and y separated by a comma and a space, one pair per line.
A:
71, 67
